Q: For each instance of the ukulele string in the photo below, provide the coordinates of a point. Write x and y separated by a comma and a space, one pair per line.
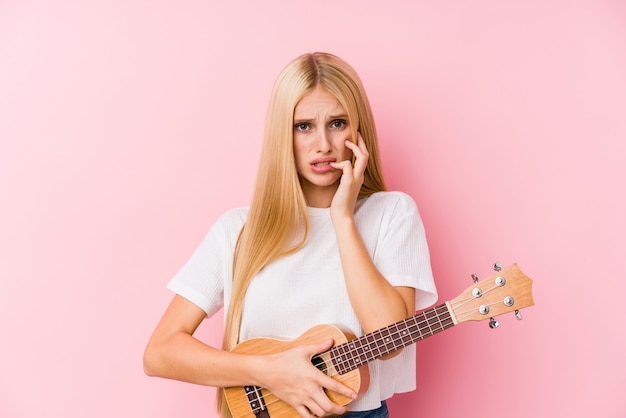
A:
398, 334
472, 298
467, 313
273, 398
423, 325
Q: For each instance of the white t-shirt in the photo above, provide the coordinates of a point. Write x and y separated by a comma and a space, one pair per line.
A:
297, 292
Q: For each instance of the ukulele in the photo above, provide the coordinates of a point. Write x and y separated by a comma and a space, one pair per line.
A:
507, 290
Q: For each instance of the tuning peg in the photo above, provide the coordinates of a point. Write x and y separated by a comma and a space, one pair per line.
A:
475, 278
493, 324
497, 266
518, 315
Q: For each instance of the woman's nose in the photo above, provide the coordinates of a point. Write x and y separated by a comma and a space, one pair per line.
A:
323, 143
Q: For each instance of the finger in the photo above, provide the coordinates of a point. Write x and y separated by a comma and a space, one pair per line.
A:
361, 156
316, 410
316, 348
360, 146
354, 147
345, 166
311, 407
326, 381
322, 406
338, 387
361, 143
304, 412
341, 165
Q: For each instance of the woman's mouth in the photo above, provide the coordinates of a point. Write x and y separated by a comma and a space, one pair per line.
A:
322, 165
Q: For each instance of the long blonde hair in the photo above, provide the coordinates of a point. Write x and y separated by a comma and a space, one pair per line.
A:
277, 223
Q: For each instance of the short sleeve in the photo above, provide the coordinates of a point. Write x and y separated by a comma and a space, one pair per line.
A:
402, 253
202, 278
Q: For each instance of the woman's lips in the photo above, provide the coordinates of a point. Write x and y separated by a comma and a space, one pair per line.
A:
322, 165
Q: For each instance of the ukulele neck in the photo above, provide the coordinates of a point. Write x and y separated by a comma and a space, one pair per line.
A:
355, 353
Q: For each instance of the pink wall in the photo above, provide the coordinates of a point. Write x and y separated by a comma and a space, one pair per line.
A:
126, 127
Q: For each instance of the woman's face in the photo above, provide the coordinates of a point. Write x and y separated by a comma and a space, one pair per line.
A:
320, 130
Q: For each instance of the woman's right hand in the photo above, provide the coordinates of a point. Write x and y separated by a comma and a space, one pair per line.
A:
292, 377
173, 352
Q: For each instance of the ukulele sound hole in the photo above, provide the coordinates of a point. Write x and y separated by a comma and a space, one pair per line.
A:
320, 363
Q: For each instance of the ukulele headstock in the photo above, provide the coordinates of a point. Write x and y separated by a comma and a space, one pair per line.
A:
509, 290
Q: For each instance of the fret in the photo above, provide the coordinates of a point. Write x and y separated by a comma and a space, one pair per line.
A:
447, 319
385, 339
441, 328
406, 334
413, 328
377, 339
255, 399
360, 351
340, 354
428, 315
435, 322
395, 337
419, 325
371, 345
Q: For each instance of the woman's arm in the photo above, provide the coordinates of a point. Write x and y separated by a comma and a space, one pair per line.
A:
174, 353
375, 301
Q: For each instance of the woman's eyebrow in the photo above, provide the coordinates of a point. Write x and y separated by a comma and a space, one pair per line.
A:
310, 120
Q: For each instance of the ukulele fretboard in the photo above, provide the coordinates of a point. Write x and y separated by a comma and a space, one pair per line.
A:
348, 356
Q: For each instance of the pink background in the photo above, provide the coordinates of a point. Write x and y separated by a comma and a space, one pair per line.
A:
127, 127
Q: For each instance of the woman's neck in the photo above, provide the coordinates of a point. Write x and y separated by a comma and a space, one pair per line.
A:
319, 196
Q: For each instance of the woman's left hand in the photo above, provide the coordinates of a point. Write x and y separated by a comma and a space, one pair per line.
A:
344, 201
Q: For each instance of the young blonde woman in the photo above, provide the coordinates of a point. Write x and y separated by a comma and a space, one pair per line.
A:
321, 243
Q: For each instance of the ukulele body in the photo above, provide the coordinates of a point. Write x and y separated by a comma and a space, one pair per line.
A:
242, 404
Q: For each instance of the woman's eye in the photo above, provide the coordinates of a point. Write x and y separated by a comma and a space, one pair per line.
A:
338, 124
301, 126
